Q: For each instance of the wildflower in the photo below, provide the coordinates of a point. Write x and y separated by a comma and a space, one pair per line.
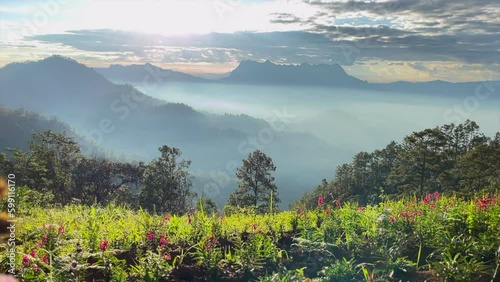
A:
33, 253
45, 237
327, 212
45, 259
40, 244
150, 236
167, 257
427, 199
436, 195
214, 240
361, 209
337, 203
36, 268
392, 219
433, 206
26, 261
254, 227
60, 230
321, 201
208, 246
103, 245
163, 241
166, 218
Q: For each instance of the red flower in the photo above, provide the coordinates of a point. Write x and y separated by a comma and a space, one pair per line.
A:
60, 230
45, 237
166, 218
433, 206
190, 219
33, 253
103, 245
436, 195
427, 199
337, 203
254, 226
45, 259
214, 240
163, 241
26, 261
40, 243
150, 236
327, 211
167, 257
321, 201
392, 219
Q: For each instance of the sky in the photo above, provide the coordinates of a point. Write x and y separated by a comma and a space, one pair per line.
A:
375, 40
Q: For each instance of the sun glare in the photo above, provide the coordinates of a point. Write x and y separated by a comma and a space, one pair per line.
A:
170, 17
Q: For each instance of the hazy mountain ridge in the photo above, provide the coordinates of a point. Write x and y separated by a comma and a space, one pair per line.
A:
253, 72
149, 72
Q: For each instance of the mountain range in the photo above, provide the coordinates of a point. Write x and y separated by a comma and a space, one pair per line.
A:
265, 73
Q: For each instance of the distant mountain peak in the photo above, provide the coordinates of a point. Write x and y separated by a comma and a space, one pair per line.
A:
268, 72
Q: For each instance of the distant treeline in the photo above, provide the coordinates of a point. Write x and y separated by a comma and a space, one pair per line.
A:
451, 158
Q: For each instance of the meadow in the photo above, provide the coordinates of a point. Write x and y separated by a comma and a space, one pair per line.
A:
439, 238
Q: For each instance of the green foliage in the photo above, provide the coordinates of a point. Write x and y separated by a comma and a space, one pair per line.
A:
166, 183
450, 238
451, 158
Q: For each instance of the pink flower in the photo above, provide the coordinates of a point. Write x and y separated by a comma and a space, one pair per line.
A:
427, 199
392, 219
60, 230
103, 245
33, 253
337, 203
436, 195
163, 241
327, 212
321, 201
361, 209
150, 236
166, 218
36, 268
40, 243
45, 259
26, 261
167, 257
433, 206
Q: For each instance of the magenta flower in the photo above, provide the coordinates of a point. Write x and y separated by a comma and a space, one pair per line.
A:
150, 236
26, 261
321, 201
103, 245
